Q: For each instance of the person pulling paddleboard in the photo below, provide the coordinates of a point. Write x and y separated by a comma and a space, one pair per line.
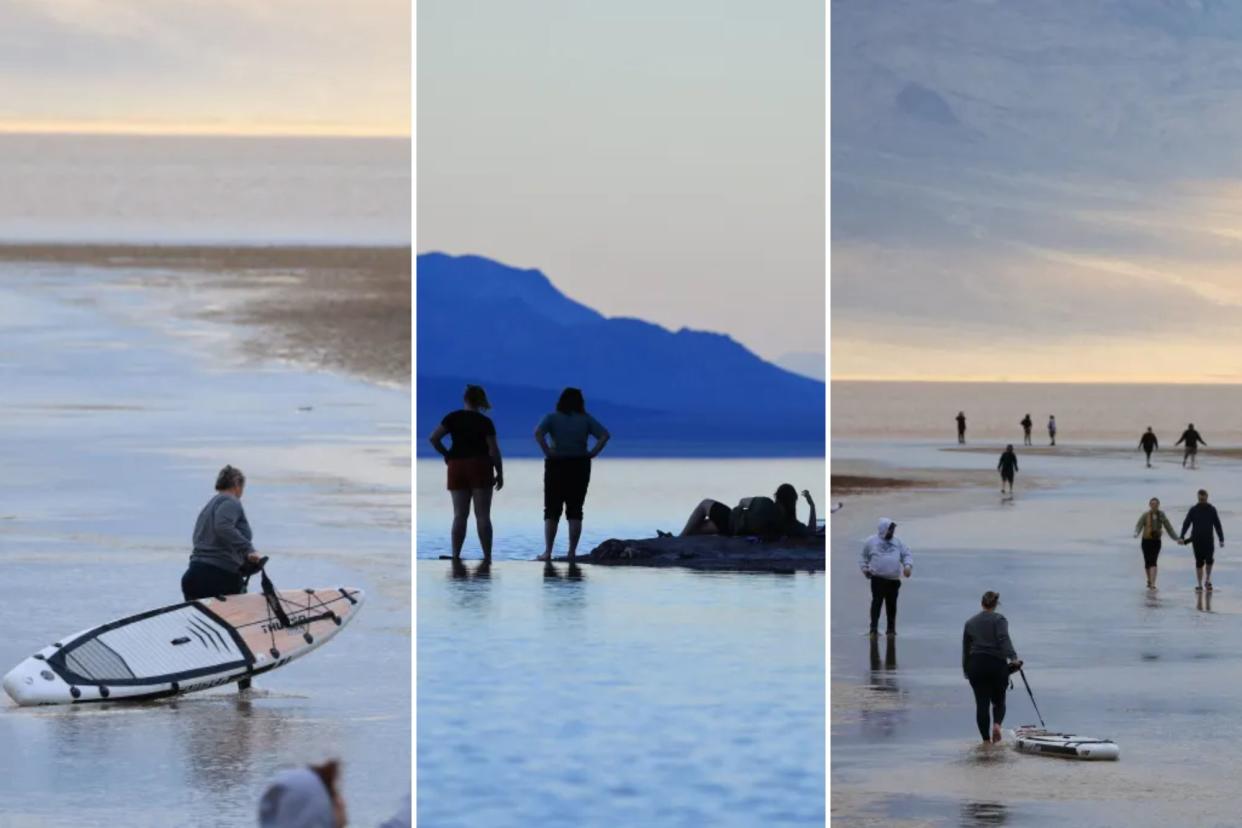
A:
223, 555
1149, 525
884, 561
988, 657
1202, 520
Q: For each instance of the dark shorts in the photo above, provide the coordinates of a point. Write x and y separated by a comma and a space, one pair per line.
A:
470, 473
1191, 450
1007, 476
721, 516
565, 481
1151, 551
206, 581
1204, 554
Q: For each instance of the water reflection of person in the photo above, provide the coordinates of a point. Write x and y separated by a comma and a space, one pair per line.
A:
879, 669
978, 814
1203, 601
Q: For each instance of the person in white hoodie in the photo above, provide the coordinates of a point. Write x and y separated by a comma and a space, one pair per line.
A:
885, 561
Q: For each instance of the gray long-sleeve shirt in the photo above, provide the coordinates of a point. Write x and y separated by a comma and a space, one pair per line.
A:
988, 633
222, 534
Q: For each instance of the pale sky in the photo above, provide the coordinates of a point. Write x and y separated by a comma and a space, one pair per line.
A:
234, 66
1046, 191
656, 159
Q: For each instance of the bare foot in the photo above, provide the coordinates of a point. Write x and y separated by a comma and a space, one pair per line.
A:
996, 733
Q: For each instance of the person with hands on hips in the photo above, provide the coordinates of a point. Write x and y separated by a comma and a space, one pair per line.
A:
884, 561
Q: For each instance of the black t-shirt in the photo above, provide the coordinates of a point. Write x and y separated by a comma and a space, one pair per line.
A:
469, 430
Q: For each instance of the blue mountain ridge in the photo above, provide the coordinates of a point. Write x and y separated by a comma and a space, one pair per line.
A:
660, 393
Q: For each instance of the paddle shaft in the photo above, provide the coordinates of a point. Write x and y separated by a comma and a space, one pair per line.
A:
1032, 695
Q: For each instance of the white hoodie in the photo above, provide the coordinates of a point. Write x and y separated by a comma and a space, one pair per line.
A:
884, 558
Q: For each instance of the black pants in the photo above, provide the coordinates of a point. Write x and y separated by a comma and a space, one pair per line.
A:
989, 678
1151, 552
1148, 451
206, 581
565, 481
884, 591
1026, 437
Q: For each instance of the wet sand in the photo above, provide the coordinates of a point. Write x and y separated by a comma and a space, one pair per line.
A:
1160, 673
336, 308
118, 413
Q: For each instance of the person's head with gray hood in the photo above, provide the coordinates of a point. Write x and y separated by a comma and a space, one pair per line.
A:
886, 529
303, 798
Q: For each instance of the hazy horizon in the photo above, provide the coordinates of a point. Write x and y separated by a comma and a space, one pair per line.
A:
290, 66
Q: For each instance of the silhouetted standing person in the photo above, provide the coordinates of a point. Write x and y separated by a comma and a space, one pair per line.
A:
1052, 430
1026, 430
1202, 521
1148, 443
474, 467
567, 466
961, 426
1008, 467
1192, 439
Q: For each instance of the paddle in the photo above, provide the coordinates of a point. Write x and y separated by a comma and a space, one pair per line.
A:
1032, 695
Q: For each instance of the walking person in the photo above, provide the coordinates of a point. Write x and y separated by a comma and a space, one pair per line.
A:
1026, 424
988, 657
961, 427
1148, 443
885, 561
567, 466
474, 467
1052, 430
1203, 521
1192, 439
1149, 525
1008, 467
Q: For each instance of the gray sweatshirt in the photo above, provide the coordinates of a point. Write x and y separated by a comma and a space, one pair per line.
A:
222, 534
987, 633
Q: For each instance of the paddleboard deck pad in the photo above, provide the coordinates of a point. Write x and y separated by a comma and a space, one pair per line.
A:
1031, 739
183, 648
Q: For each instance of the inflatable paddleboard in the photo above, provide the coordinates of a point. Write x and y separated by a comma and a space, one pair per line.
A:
1031, 739
183, 648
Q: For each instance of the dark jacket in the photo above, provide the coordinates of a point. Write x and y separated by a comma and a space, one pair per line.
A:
1191, 438
987, 633
1202, 520
1008, 463
1149, 442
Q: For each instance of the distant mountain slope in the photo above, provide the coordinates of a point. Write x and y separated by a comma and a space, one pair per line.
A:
511, 329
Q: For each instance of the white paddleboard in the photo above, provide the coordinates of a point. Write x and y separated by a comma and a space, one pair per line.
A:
182, 648
1031, 739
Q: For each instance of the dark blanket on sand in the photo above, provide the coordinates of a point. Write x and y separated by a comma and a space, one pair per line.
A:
712, 552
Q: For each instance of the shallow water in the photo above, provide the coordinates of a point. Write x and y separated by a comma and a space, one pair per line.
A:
627, 498
115, 430
619, 697
1157, 673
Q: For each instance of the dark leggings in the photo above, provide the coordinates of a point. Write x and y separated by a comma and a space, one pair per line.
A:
989, 678
884, 591
206, 581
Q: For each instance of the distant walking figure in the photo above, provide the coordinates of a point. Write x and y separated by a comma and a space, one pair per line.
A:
1026, 429
474, 467
1008, 466
884, 561
988, 658
758, 516
1192, 439
1148, 443
961, 426
1149, 525
1202, 521
1052, 430
567, 465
